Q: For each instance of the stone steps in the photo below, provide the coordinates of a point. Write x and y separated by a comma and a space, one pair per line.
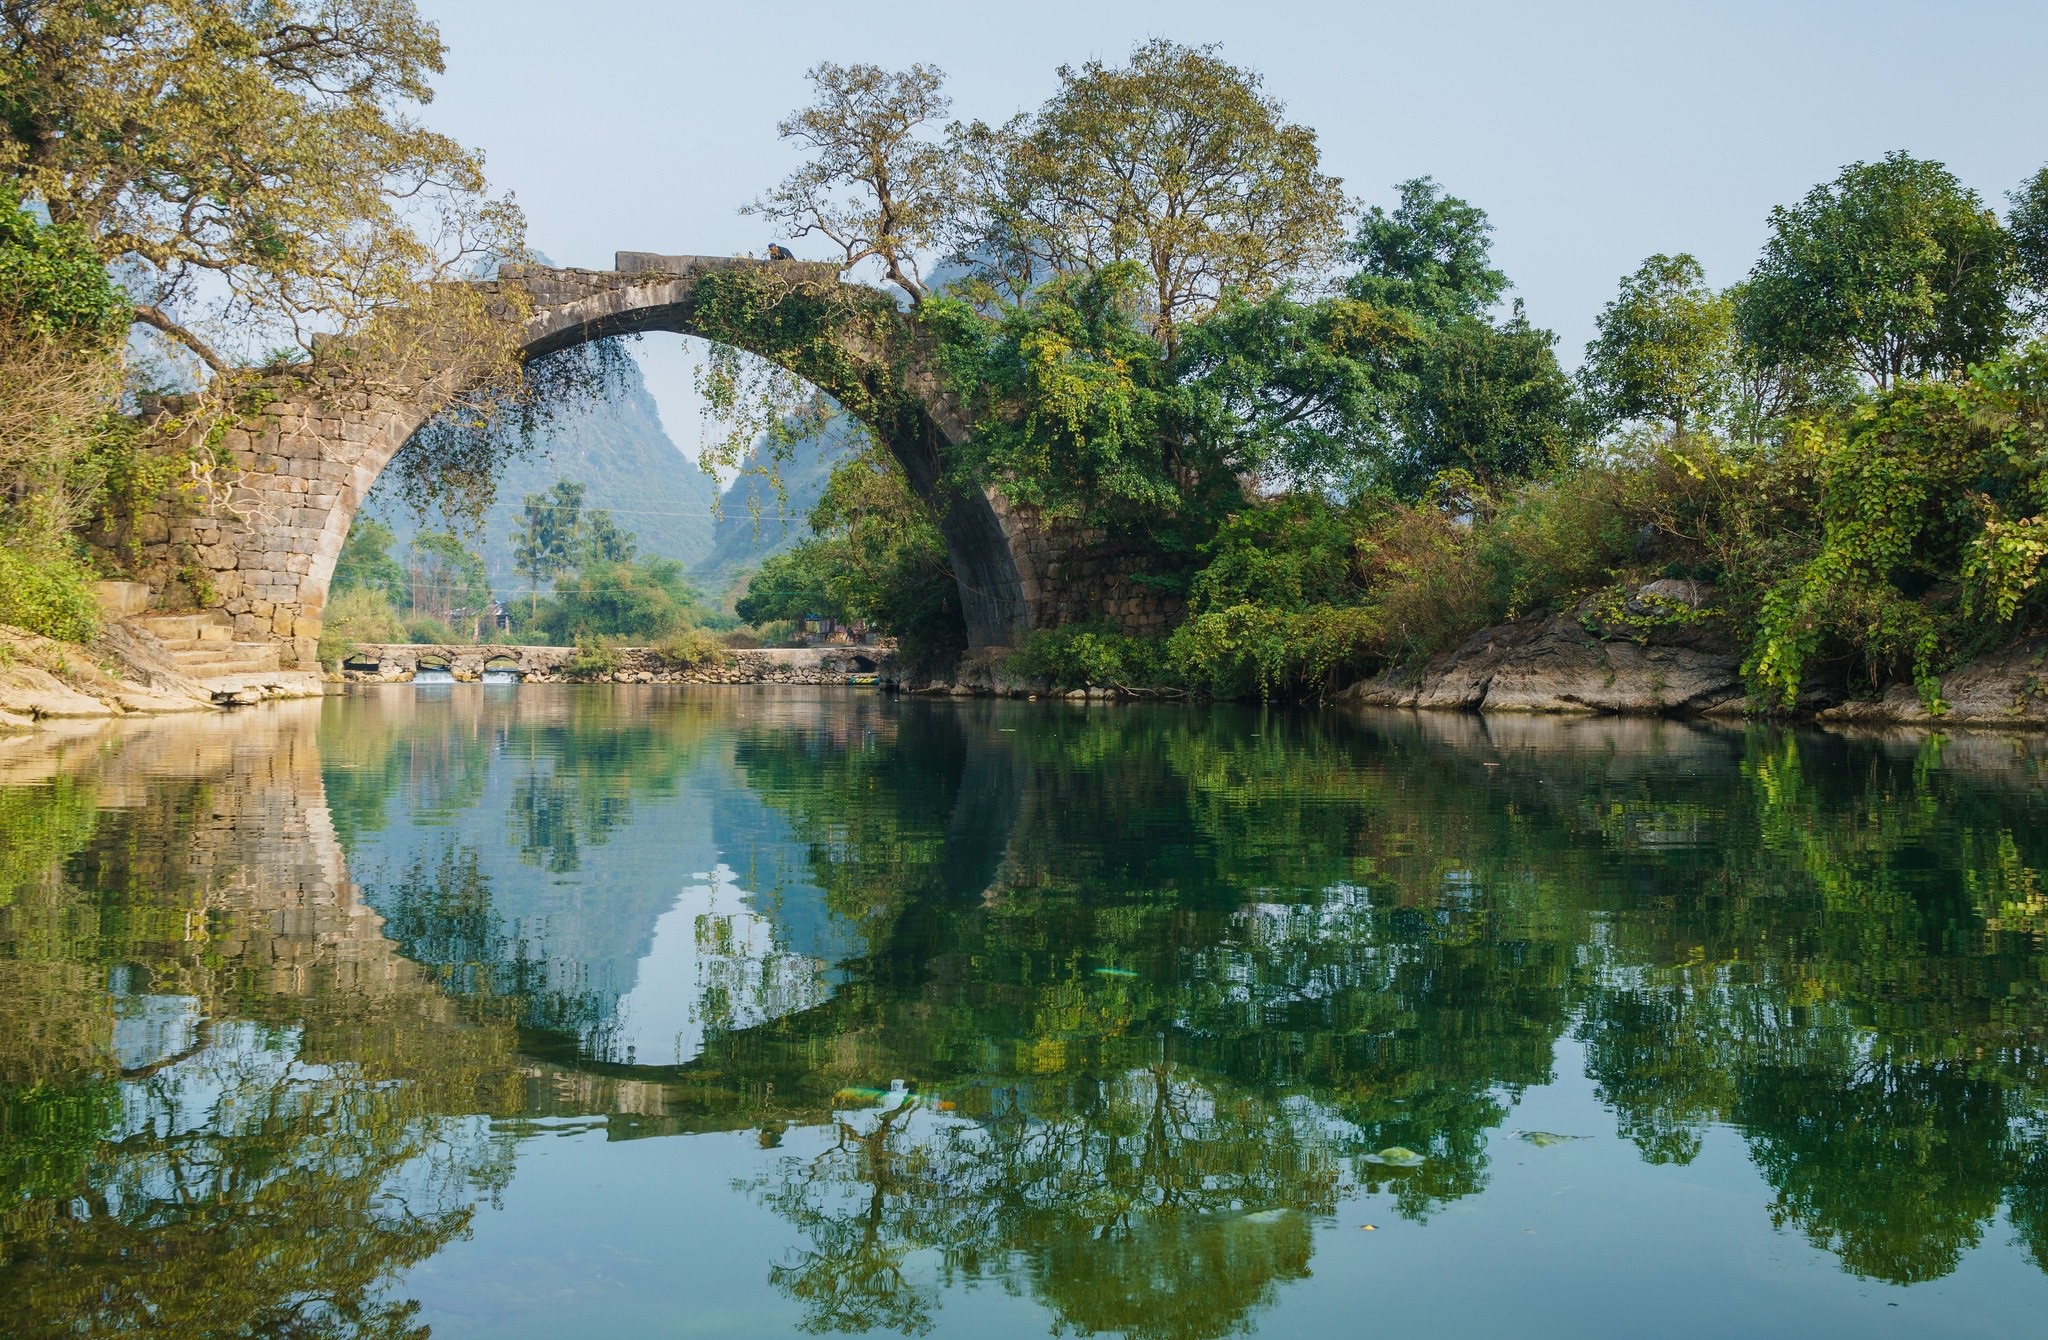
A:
235, 658
210, 626
204, 646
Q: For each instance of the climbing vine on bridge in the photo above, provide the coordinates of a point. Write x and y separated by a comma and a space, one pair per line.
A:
787, 349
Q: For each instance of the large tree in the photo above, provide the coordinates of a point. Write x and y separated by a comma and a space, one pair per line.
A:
256, 164
1431, 255
876, 186
1177, 162
1664, 347
544, 538
2028, 223
1468, 392
1894, 268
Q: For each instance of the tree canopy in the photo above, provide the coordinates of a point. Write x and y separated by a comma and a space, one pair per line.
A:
1663, 347
258, 165
1894, 268
1177, 163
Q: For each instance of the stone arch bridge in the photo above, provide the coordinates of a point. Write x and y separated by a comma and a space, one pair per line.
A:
306, 460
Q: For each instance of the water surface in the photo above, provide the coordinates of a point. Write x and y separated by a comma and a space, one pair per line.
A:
547, 1011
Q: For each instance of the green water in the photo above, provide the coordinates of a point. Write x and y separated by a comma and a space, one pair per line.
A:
558, 1012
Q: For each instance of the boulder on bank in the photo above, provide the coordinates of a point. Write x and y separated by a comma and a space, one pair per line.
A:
2006, 688
1570, 662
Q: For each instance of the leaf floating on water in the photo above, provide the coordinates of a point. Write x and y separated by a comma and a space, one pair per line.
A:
1370, 1228
1545, 1139
1396, 1156
1114, 972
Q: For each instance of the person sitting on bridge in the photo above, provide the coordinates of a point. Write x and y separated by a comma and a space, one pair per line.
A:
778, 252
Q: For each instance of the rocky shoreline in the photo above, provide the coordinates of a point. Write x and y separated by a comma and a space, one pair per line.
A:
1558, 665
1561, 664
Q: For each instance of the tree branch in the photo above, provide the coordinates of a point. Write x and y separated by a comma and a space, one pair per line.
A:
155, 319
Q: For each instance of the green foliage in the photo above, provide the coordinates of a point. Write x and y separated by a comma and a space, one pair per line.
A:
877, 556
1894, 268
1292, 393
1547, 542
1431, 256
366, 563
261, 154
599, 539
1078, 656
52, 282
593, 660
48, 593
1466, 392
1252, 651
793, 586
447, 580
1930, 501
2028, 223
1074, 392
1486, 399
544, 542
647, 600
355, 616
1664, 348
693, 647
1176, 164
1292, 553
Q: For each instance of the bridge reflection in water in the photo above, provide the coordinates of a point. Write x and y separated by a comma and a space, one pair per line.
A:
1127, 1011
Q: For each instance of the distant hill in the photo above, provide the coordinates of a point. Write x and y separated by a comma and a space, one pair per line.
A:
758, 524
627, 464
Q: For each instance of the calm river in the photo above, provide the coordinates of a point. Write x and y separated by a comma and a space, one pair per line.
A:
501, 1011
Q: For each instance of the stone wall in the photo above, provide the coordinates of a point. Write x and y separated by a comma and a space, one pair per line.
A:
1077, 574
258, 536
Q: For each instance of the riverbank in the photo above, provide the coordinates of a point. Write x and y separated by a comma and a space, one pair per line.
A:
1549, 666
1558, 664
123, 672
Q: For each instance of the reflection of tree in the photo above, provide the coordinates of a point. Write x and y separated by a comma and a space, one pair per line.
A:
1147, 1203
1786, 933
245, 1193
254, 1163
1897, 1169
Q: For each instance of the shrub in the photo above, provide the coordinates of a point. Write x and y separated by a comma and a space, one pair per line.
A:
692, 647
1429, 590
1550, 541
50, 594
593, 660
1931, 499
1248, 651
1088, 655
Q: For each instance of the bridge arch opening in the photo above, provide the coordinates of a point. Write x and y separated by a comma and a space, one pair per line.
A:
654, 293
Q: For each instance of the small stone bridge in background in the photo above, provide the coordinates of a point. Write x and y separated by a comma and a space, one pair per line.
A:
303, 464
396, 662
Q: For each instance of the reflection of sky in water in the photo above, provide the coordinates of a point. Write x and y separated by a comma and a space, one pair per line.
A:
713, 963
148, 1028
689, 907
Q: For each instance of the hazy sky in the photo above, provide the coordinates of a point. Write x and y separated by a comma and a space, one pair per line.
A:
1593, 134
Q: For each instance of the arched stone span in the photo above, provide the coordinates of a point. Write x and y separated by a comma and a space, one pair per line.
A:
645, 292
305, 461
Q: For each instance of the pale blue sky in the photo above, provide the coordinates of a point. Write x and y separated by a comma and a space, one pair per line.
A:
1593, 134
